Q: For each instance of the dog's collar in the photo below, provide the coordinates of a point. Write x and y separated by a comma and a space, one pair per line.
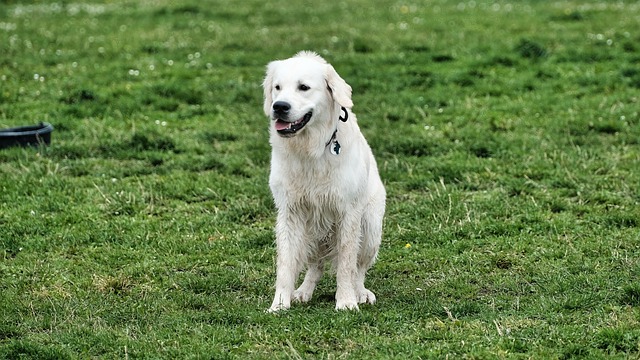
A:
333, 141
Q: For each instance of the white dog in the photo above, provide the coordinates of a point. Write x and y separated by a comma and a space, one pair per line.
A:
324, 181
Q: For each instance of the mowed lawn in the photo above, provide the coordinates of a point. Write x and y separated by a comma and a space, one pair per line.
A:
507, 136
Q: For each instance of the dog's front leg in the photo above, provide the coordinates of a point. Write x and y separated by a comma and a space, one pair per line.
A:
348, 245
290, 259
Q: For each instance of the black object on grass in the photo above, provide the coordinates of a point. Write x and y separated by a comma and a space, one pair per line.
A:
32, 135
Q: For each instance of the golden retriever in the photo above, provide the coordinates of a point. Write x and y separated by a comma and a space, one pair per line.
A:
324, 180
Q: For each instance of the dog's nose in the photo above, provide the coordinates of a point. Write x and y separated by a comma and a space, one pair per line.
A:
281, 107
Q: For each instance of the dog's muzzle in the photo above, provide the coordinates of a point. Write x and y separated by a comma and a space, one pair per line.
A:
283, 126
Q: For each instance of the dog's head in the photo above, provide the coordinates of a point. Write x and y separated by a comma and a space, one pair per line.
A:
298, 89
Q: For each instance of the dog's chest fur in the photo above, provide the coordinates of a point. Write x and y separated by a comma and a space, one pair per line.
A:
317, 183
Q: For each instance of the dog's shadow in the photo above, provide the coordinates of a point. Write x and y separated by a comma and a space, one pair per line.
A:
324, 298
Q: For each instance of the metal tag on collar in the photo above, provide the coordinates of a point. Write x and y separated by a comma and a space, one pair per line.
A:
335, 147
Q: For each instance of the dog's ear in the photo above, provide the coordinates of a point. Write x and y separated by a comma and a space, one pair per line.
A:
267, 85
339, 89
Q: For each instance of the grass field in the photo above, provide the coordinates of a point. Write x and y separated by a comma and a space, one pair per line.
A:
507, 136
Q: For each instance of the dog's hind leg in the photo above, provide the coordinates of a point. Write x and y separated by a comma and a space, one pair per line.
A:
311, 278
364, 295
371, 238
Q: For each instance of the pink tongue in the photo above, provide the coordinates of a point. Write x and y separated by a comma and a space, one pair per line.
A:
282, 125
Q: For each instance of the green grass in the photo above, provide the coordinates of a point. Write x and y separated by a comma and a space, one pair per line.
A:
507, 135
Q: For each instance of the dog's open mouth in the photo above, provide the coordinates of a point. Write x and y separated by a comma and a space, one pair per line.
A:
286, 128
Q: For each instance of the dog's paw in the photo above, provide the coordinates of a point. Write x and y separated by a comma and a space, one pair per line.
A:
301, 296
346, 299
351, 305
366, 297
278, 306
274, 309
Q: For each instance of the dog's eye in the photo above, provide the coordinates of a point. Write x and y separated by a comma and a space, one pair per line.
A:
277, 87
303, 87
